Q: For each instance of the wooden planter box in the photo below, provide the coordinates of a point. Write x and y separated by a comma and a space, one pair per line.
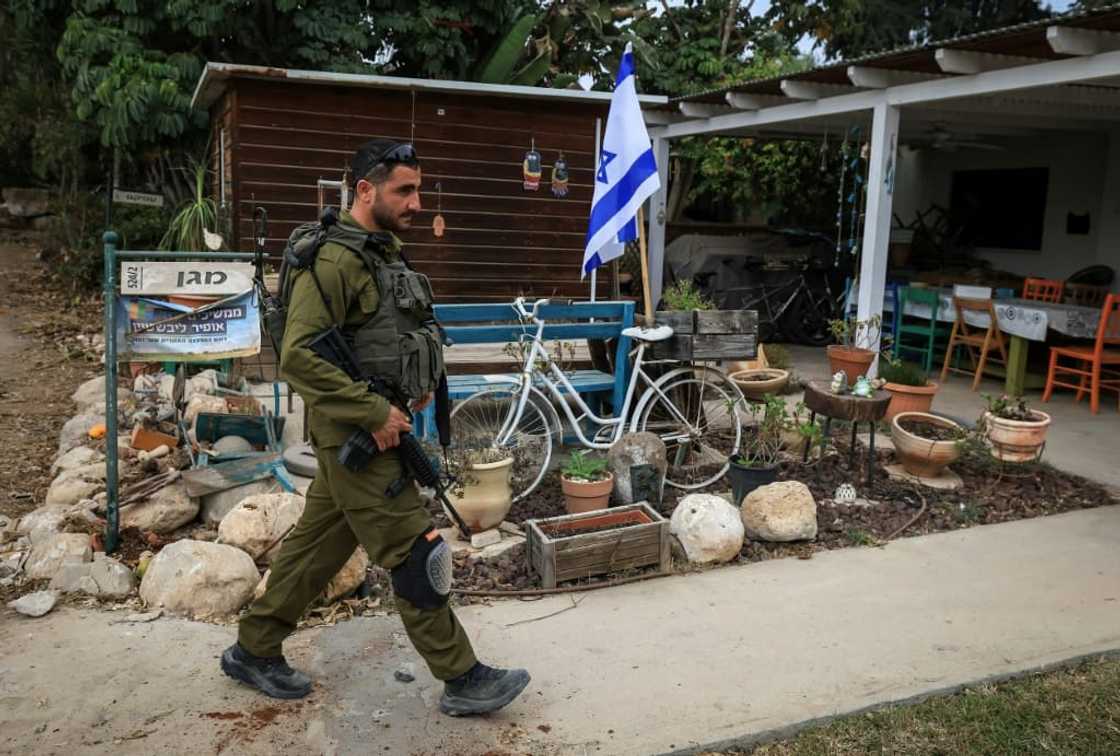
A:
708, 335
632, 536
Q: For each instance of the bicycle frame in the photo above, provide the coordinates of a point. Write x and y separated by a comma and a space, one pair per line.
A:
558, 381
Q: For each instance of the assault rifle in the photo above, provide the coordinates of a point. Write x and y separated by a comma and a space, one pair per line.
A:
361, 447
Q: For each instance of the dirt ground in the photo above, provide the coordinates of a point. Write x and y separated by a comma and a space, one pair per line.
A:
42, 362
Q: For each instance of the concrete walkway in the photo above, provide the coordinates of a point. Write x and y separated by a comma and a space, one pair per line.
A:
666, 665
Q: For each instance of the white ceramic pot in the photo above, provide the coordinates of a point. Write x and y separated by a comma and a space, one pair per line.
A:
486, 499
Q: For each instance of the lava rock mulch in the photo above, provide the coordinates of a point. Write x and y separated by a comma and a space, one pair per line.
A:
992, 493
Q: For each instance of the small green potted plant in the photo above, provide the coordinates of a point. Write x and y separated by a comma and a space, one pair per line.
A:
586, 482
909, 386
852, 353
756, 464
1016, 432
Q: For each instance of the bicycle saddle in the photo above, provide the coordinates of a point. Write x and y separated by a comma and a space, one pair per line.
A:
658, 333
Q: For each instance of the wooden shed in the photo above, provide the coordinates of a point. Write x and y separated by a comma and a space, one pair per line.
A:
277, 133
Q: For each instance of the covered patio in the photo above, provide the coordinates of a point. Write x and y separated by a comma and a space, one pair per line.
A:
1041, 94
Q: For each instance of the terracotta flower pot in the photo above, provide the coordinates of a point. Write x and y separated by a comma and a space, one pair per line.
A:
923, 456
759, 382
909, 398
854, 361
1017, 440
486, 499
586, 496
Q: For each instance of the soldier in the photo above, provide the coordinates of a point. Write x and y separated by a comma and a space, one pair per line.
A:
360, 282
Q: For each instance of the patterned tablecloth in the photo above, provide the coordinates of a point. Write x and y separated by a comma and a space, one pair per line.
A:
1019, 317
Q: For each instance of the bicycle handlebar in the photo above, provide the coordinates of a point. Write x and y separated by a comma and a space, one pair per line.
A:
519, 306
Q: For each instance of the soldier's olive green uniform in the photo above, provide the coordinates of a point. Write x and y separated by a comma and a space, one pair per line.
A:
345, 508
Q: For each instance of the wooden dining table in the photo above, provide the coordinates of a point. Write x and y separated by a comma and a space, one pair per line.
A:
1023, 320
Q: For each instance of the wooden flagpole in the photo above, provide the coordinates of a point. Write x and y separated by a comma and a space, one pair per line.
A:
645, 267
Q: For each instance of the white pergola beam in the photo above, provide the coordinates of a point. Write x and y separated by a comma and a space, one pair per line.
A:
743, 101
1068, 40
703, 109
812, 90
1040, 74
658, 221
865, 77
660, 117
971, 62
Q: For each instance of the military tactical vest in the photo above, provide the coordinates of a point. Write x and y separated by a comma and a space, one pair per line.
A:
401, 342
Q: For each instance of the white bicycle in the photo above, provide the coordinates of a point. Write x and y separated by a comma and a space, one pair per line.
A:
696, 411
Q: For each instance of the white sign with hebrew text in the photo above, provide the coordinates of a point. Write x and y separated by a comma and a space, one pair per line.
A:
140, 278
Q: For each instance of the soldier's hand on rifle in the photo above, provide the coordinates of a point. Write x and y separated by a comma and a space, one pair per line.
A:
418, 405
388, 436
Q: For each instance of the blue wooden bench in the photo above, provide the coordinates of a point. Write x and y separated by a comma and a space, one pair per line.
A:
498, 324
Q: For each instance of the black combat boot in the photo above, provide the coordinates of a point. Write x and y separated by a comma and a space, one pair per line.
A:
270, 675
482, 689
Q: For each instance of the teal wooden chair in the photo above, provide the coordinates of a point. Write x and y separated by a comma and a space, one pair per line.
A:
918, 335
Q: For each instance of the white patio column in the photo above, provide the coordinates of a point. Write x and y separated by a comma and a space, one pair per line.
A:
658, 220
877, 221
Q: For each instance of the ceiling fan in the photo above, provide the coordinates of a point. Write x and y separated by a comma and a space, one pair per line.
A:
940, 138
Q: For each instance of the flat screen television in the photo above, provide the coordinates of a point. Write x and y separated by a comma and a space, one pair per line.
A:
1001, 208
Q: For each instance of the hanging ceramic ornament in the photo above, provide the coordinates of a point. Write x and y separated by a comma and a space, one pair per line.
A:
531, 169
438, 224
560, 177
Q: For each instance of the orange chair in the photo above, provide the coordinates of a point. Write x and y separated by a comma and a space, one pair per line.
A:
1085, 295
1091, 360
971, 338
1043, 289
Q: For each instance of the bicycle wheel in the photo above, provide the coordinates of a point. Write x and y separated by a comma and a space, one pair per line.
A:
808, 319
477, 420
697, 413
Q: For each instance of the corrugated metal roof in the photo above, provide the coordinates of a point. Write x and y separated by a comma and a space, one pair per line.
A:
214, 77
1027, 39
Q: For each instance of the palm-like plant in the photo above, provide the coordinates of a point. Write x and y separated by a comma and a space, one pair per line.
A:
194, 217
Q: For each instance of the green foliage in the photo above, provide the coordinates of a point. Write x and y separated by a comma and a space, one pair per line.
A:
850, 28
1010, 408
194, 217
582, 466
683, 295
894, 370
764, 439
140, 227
855, 333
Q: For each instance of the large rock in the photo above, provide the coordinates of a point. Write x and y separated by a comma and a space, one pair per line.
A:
42, 522
71, 486
50, 553
77, 457
75, 432
214, 507
782, 511
104, 576
166, 510
199, 579
35, 604
92, 393
349, 577
26, 202
708, 528
259, 522
638, 461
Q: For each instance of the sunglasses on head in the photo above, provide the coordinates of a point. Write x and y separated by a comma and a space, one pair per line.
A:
401, 153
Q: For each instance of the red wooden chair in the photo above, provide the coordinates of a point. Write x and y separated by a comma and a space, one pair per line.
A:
976, 342
1090, 361
1043, 289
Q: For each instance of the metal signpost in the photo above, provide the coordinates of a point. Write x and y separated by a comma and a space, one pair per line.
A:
112, 257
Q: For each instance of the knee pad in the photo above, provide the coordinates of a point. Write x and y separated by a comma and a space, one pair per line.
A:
424, 578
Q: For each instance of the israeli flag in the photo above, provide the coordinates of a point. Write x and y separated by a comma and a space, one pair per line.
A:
626, 176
